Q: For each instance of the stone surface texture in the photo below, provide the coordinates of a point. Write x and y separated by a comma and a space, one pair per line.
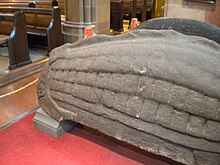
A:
185, 26
157, 90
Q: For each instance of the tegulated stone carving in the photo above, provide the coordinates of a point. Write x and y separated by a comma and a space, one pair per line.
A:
185, 26
157, 90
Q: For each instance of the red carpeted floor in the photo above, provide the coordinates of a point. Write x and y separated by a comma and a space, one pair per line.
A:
21, 144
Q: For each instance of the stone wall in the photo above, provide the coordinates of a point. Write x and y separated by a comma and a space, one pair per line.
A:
194, 10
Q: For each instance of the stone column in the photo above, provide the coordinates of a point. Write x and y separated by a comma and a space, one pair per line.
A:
87, 12
83, 13
101, 16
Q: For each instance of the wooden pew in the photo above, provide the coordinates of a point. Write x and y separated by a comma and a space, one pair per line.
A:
141, 7
128, 6
38, 3
116, 20
13, 34
121, 9
41, 22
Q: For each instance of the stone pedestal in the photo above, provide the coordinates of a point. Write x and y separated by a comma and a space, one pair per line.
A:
85, 13
43, 122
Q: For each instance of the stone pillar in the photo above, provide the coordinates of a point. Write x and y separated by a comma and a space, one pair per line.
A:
85, 13
101, 16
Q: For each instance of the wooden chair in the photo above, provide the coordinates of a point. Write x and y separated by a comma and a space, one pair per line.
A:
116, 21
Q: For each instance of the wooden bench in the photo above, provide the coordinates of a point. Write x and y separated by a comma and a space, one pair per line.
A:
37, 4
41, 22
116, 20
13, 34
141, 7
129, 9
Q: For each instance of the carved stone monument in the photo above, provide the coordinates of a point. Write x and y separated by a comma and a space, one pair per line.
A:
157, 90
185, 26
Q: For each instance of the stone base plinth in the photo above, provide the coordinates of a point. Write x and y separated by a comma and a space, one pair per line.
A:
43, 122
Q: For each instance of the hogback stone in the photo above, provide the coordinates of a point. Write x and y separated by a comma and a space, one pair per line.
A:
185, 26
157, 90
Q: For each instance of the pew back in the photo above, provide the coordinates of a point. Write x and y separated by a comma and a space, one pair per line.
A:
41, 21
38, 4
116, 15
16, 39
6, 23
37, 19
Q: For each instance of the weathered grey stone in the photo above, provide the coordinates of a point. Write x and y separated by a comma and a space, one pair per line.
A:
67, 87
108, 98
134, 106
185, 26
145, 87
62, 64
194, 102
149, 110
150, 91
161, 91
211, 130
179, 120
91, 79
67, 101
164, 115
130, 84
72, 76
103, 80
78, 63
177, 96
195, 126
69, 64
65, 76
84, 92
59, 75
207, 158
209, 107
116, 82
87, 64
218, 113
120, 102
75, 90
98, 63
80, 78
56, 85
95, 95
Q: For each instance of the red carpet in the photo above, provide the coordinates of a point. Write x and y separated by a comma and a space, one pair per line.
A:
21, 144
